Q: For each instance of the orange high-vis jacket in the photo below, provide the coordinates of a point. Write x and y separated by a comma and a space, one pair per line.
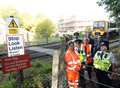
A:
73, 66
72, 60
87, 48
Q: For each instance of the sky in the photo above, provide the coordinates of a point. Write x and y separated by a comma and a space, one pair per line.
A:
54, 9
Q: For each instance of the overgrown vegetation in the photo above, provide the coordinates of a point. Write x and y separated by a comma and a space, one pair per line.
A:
44, 29
113, 7
41, 25
38, 76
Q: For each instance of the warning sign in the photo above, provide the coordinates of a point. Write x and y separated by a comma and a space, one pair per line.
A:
13, 24
15, 44
13, 30
13, 27
16, 63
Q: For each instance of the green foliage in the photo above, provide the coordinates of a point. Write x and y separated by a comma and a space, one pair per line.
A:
25, 19
38, 65
8, 11
7, 80
44, 29
111, 5
38, 75
41, 25
8, 84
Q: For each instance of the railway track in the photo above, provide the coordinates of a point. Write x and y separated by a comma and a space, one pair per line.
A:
35, 54
115, 43
56, 45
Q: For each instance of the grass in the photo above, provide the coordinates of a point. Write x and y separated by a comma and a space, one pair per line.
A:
40, 73
8, 84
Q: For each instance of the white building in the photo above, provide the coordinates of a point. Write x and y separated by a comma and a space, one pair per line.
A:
72, 25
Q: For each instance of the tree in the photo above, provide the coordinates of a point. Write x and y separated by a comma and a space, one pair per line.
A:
111, 6
44, 29
24, 18
8, 11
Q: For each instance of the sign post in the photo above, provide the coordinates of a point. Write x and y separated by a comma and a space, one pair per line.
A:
16, 60
15, 48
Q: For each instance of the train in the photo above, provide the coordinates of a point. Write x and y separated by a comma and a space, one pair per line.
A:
98, 28
104, 27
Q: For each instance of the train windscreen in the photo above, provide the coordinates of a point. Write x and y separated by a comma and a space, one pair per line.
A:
98, 25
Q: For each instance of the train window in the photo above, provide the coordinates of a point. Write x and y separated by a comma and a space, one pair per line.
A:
99, 24
95, 24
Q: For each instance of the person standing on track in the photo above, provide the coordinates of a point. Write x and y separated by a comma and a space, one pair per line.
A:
82, 56
104, 61
87, 47
73, 66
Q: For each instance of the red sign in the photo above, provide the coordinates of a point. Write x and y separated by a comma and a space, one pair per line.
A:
16, 63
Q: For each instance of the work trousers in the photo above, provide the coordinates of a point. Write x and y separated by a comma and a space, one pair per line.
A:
82, 81
89, 69
72, 77
103, 79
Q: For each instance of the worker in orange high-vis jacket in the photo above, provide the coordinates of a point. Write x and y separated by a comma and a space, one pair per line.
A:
86, 47
72, 66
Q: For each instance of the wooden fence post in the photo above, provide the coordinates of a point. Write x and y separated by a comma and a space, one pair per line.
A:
58, 67
62, 80
55, 69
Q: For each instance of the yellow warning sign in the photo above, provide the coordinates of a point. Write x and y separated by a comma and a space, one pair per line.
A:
13, 30
13, 24
13, 27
